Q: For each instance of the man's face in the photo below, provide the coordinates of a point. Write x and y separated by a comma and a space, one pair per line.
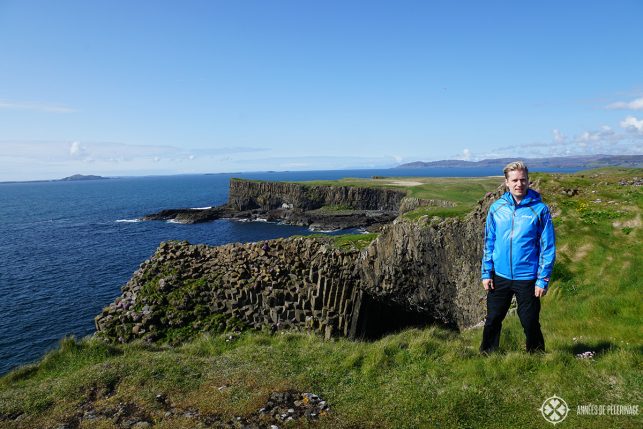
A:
518, 183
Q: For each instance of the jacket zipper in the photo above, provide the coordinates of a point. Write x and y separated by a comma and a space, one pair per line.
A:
511, 240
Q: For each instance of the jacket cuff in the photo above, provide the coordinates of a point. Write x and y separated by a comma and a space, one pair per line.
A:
542, 283
486, 276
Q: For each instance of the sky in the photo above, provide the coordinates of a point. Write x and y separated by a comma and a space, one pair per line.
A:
122, 88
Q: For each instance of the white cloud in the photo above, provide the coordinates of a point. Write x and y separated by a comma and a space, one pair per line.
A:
593, 136
41, 159
559, 137
632, 124
315, 163
35, 106
465, 155
76, 150
603, 141
112, 152
628, 105
226, 150
295, 165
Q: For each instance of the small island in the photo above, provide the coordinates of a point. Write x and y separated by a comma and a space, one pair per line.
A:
81, 177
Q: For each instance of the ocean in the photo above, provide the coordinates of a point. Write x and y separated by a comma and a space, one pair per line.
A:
67, 247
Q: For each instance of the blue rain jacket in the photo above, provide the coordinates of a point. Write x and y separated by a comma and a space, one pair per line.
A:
519, 240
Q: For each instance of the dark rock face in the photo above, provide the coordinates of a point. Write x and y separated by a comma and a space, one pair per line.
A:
191, 215
276, 284
414, 273
320, 220
321, 207
431, 266
248, 195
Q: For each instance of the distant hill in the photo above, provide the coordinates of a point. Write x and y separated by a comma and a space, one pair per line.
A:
590, 161
82, 177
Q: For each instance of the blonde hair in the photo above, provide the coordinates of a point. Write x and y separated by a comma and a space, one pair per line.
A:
513, 166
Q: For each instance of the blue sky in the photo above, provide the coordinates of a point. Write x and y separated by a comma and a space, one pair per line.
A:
160, 87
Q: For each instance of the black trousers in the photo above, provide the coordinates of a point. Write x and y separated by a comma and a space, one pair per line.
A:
498, 302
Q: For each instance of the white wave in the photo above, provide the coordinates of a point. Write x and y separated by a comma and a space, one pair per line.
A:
259, 219
175, 221
323, 231
201, 208
128, 220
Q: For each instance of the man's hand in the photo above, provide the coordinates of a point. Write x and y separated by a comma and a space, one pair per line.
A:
487, 284
538, 292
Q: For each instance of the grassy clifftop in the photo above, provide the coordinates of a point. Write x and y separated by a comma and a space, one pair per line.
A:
417, 378
461, 193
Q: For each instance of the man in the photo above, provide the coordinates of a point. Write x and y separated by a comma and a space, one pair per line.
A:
519, 254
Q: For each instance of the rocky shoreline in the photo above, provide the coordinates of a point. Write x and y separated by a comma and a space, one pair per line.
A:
316, 220
321, 208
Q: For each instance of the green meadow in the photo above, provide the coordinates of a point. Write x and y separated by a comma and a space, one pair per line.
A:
416, 378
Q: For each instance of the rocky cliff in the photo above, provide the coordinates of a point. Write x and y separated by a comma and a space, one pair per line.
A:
414, 273
430, 266
320, 207
248, 195
275, 284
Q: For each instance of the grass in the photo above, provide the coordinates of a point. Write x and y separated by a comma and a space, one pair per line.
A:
457, 211
345, 241
457, 189
416, 378
464, 192
354, 241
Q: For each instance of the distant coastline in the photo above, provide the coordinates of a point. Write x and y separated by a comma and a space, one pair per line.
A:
581, 162
73, 178
563, 163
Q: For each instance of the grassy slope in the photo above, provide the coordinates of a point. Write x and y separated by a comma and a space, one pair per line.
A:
416, 378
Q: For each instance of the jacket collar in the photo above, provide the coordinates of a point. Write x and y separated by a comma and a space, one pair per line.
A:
531, 197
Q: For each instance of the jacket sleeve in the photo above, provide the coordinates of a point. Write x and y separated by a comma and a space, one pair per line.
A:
547, 250
489, 243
